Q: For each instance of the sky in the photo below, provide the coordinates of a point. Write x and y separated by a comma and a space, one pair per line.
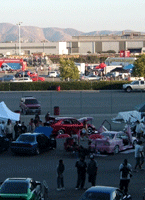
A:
82, 15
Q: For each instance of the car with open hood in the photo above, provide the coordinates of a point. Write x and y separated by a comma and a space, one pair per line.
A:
113, 141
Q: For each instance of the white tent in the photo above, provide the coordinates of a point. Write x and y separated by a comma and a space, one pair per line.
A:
131, 116
6, 113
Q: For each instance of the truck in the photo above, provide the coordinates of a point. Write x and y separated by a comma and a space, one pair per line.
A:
135, 85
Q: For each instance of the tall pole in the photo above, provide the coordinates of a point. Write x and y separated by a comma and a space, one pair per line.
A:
19, 24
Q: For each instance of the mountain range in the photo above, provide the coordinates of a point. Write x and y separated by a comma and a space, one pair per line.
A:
10, 33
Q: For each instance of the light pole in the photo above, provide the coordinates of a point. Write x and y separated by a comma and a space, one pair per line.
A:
19, 24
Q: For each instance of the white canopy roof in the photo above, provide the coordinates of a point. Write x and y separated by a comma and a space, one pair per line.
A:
131, 116
6, 113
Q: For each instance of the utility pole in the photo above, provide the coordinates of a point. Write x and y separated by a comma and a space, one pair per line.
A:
19, 24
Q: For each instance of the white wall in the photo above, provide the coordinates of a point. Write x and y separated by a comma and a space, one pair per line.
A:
63, 48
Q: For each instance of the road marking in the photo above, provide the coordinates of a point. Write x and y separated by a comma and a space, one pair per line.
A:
128, 151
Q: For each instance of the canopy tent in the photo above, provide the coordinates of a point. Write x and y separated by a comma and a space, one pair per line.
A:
101, 66
119, 69
125, 117
6, 113
128, 67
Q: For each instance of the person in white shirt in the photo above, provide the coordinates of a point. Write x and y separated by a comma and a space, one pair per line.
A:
139, 129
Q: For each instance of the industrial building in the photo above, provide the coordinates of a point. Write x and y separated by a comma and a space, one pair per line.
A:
132, 41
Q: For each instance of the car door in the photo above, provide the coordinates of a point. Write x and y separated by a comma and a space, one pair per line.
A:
42, 142
67, 125
76, 126
35, 189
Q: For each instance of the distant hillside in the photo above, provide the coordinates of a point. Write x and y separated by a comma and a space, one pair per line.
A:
10, 32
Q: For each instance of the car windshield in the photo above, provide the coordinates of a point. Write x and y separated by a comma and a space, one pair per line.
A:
108, 135
94, 196
14, 188
26, 138
31, 101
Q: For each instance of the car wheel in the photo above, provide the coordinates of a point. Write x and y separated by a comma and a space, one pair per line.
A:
128, 89
37, 151
61, 131
134, 143
116, 149
90, 130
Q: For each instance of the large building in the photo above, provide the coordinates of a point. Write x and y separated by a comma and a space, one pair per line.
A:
132, 41
57, 48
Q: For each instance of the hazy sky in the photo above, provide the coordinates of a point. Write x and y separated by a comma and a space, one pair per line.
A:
83, 15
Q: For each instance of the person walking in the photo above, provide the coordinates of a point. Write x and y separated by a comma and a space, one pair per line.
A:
81, 166
60, 170
92, 170
125, 170
138, 150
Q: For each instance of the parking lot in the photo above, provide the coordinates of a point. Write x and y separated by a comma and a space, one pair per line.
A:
102, 105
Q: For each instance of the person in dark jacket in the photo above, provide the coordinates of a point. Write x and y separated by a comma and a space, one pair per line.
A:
23, 128
60, 170
81, 166
92, 170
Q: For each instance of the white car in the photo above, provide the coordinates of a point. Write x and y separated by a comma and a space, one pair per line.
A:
91, 77
53, 74
23, 79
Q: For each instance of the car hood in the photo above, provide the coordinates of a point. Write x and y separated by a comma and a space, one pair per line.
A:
33, 105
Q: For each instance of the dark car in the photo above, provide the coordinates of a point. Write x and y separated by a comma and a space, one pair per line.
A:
7, 78
69, 125
21, 188
4, 143
35, 143
102, 193
30, 105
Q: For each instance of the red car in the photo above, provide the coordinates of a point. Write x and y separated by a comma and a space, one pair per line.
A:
70, 125
37, 78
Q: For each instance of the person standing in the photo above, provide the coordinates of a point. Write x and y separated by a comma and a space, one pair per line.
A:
139, 129
31, 125
23, 128
92, 170
142, 154
125, 174
60, 170
81, 166
9, 130
137, 155
16, 129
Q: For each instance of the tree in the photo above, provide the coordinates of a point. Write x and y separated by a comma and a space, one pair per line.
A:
139, 67
68, 70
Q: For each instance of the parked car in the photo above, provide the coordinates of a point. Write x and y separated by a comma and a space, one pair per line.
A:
7, 78
4, 143
21, 188
91, 77
135, 85
28, 143
21, 74
113, 142
37, 78
102, 193
30, 105
53, 74
23, 79
69, 125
